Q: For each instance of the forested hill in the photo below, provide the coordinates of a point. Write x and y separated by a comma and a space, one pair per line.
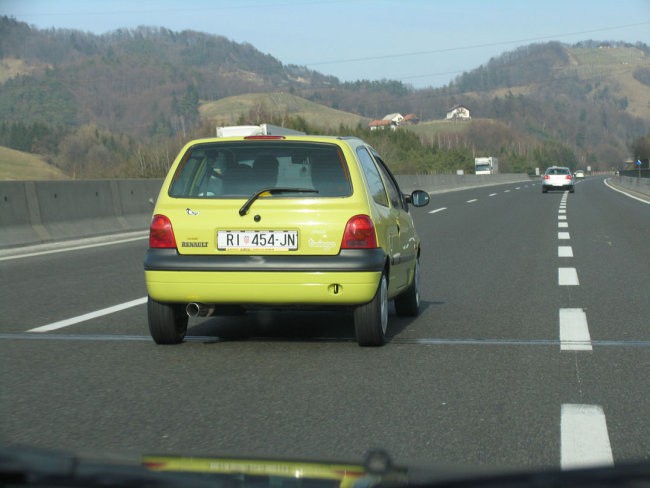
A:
129, 79
122, 89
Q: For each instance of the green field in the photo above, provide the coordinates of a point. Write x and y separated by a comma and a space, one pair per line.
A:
18, 165
227, 111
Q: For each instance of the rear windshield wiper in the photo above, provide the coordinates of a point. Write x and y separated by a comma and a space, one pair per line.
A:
244, 209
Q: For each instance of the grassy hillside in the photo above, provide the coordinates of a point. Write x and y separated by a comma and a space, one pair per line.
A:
259, 106
614, 68
18, 165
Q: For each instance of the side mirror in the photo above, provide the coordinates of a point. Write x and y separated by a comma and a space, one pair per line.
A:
419, 198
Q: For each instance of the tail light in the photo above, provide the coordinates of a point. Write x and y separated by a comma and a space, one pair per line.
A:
547, 177
359, 233
161, 234
568, 177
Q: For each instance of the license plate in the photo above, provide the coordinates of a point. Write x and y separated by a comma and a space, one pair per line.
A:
283, 240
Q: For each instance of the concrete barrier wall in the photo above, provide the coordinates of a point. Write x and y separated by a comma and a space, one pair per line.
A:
640, 185
37, 212
440, 183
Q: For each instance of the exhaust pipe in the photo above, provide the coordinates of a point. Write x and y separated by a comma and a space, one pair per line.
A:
199, 310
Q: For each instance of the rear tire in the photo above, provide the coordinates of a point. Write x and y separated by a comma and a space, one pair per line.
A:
371, 319
167, 322
408, 303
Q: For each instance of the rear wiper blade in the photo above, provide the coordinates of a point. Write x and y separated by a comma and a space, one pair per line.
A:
22, 466
244, 209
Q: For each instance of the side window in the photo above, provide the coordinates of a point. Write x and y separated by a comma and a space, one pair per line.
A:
394, 193
375, 183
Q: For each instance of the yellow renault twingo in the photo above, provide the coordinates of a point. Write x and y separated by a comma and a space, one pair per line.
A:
281, 221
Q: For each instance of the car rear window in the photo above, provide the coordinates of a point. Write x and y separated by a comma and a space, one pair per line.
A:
558, 171
241, 168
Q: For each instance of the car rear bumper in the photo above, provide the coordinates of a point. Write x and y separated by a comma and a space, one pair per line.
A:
547, 186
350, 278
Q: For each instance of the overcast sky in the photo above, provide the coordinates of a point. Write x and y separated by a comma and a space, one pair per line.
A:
420, 42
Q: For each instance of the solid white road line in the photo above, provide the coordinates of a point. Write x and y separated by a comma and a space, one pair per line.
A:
563, 235
567, 277
647, 202
574, 330
584, 437
89, 316
438, 210
564, 252
20, 253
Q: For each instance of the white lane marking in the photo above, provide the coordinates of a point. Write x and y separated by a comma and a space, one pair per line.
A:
562, 211
626, 194
424, 341
562, 224
438, 210
517, 187
584, 437
561, 217
563, 235
564, 252
472, 200
506, 191
567, 277
574, 330
492, 194
89, 316
73, 248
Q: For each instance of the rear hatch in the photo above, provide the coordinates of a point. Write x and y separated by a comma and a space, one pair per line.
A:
259, 196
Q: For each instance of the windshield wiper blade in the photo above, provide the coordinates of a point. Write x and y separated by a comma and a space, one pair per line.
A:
244, 209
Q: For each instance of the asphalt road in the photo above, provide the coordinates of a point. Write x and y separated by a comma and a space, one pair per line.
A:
532, 350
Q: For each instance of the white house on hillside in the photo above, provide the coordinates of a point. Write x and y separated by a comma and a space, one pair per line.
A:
394, 118
459, 112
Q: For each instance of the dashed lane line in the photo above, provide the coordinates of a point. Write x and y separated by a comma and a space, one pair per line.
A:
567, 277
574, 330
564, 252
584, 438
438, 210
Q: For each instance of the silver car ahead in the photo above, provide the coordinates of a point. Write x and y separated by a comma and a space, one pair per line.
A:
557, 178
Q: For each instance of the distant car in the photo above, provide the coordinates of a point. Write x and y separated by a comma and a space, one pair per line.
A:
295, 221
579, 174
557, 178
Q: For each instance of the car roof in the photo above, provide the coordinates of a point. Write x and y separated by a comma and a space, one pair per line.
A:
304, 138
